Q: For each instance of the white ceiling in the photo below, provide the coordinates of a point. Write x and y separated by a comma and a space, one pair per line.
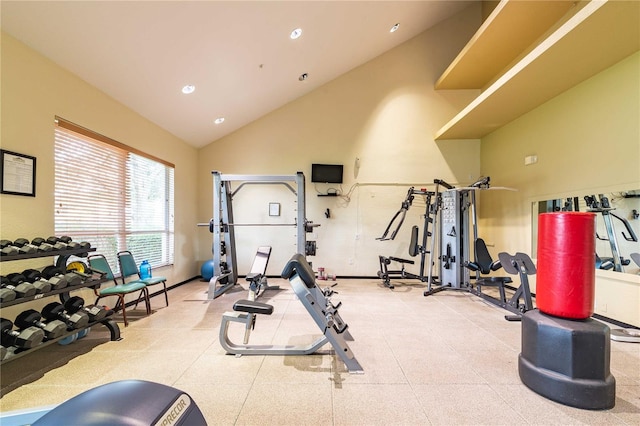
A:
238, 54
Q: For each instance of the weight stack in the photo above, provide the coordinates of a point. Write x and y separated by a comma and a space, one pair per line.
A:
565, 354
567, 360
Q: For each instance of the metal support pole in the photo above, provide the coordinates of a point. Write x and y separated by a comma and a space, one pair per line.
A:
613, 241
302, 219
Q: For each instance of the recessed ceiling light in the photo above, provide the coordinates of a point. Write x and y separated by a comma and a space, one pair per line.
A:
303, 76
219, 120
189, 88
395, 28
296, 33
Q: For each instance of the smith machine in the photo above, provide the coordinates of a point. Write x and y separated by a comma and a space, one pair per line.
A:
225, 272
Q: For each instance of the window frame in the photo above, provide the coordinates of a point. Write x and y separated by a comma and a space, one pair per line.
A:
122, 229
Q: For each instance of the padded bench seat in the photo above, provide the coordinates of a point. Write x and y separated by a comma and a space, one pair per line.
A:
252, 307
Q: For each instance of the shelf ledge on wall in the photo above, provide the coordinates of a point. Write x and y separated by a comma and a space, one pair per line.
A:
580, 48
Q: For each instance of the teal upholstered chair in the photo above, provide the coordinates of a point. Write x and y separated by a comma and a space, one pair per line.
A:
129, 267
99, 263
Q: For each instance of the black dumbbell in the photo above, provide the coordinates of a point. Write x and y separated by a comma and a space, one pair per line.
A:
56, 243
76, 304
75, 245
6, 294
54, 275
55, 310
16, 279
7, 248
78, 270
71, 245
22, 289
74, 278
25, 339
41, 244
52, 329
24, 246
34, 277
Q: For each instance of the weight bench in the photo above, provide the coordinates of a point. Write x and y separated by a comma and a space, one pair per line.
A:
522, 265
257, 277
484, 265
517, 264
315, 300
219, 284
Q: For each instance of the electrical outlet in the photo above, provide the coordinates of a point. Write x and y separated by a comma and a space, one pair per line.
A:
357, 236
351, 261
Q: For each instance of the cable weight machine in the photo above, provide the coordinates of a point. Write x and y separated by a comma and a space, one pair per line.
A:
452, 207
445, 216
414, 248
449, 227
456, 209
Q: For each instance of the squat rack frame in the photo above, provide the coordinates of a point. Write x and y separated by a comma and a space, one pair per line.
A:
225, 267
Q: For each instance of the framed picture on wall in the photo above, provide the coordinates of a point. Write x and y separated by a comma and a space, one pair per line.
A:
274, 209
17, 174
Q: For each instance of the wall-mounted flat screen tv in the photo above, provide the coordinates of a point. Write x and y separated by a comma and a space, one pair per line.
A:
326, 173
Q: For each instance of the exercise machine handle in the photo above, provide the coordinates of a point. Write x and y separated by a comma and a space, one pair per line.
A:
443, 183
632, 236
400, 213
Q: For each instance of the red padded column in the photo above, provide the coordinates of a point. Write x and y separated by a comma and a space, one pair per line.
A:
565, 281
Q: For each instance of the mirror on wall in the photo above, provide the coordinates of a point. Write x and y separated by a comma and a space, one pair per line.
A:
617, 226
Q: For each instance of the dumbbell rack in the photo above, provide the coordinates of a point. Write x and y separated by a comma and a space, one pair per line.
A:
63, 293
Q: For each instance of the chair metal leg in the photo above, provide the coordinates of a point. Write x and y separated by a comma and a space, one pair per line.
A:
124, 309
166, 296
118, 303
147, 300
142, 293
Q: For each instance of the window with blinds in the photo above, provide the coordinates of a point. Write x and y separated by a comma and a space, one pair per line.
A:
112, 196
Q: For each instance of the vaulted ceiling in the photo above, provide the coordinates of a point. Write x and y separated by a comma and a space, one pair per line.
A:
238, 55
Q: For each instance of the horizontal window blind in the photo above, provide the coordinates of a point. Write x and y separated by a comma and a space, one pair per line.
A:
115, 198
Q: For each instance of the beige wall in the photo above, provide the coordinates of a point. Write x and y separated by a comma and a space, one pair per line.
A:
587, 141
34, 90
385, 113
